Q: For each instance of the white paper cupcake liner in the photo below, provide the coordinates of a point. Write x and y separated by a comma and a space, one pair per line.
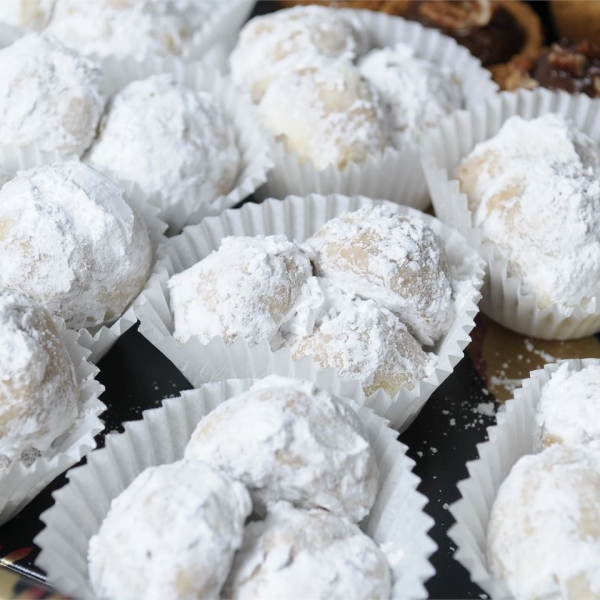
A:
397, 521
99, 340
297, 218
397, 175
503, 298
512, 438
212, 43
19, 484
240, 112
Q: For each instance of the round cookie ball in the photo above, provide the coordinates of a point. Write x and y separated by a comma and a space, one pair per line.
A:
28, 14
308, 554
39, 395
327, 115
170, 139
287, 440
418, 93
139, 29
393, 259
171, 534
543, 538
569, 407
245, 289
69, 239
363, 341
50, 97
290, 40
534, 192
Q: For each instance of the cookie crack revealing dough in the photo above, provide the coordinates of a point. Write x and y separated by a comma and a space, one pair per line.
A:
245, 289
534, 191
292, 40
50, 97
69, 239
171, 534
29, 14
287, 440
357, 337
39, 395
393, 259
308, 554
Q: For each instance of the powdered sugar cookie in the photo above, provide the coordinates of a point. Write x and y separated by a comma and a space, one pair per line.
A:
29, 14
171, 534
326, 557
70, 241
288, 440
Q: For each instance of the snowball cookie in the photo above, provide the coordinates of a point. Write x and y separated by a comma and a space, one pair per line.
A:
417, 92
363, 341
39, 395
245, 289
534, 191
167, 138
69, 239
308, 554
287, 440
329, 115
543, 536
137, 28
569, 407
171, 534
393, 259
290, 40
29, 14
50, 97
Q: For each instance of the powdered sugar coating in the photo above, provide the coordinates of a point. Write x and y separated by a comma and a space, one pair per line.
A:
171, 534
38, 389
361, 341
534, 191
308, 554
569, 406
29, 14
393, 259
288, 440
50, 96
292, 40
418, 93
327, 115
136, 28
543, 537
167, 138
69, 239
245, 289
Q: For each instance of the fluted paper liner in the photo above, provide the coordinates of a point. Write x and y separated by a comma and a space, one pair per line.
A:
397, 521
512, 438
503, 299
212, 43
240, 113
298, 218
397, 175
20, 484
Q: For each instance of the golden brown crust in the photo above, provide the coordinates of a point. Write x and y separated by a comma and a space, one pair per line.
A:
514, 74
577, 20
398, 8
